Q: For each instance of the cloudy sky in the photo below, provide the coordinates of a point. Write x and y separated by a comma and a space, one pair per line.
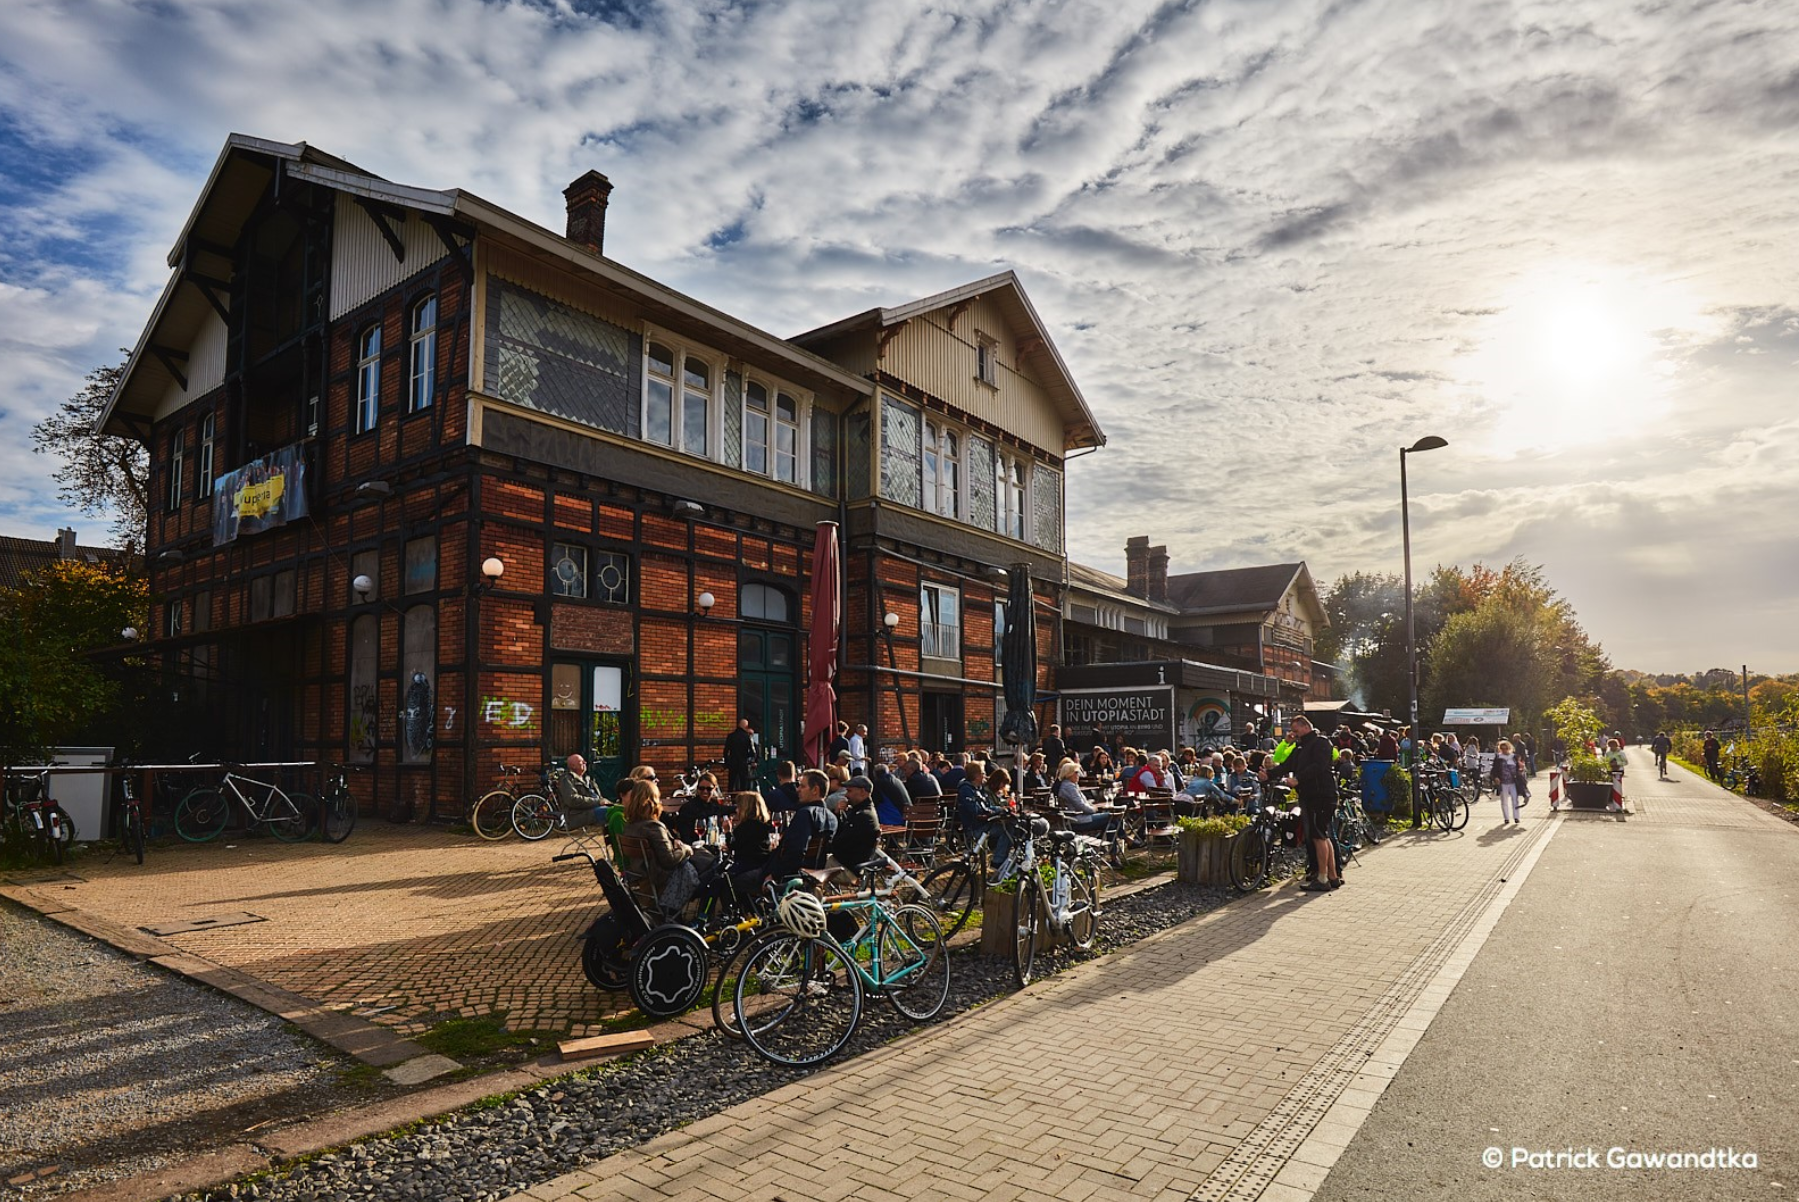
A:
1274, 240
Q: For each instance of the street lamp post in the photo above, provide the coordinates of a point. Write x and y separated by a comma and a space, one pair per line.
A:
1428, 443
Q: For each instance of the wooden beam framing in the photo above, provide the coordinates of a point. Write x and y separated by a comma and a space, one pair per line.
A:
167, 356
381, 214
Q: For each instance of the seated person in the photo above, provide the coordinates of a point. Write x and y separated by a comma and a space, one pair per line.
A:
1083, 816
891, 798
752, 843
981, 807
920, 781
643, 821
1202, 794
858, 836
1099, 763
1037, 773
810, 819
579, 794
784, 797
689, 822
1143, 775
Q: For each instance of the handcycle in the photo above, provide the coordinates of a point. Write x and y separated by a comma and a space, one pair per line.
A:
798, 998
202, 814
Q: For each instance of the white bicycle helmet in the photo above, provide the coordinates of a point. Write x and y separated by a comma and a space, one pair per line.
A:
803, 914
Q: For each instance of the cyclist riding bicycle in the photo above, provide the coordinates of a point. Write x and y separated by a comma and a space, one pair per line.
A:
1661, 745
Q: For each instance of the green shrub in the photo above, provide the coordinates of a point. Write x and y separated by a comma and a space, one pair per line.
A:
1398, 783
1213, 828
1587, 769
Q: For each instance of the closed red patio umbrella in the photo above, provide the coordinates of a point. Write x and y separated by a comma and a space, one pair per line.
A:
821, 659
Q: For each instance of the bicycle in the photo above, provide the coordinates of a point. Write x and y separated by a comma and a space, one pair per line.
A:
1269, 847
1447, 807
337, 808
34, 817
1073, 902
202, 814
798, 999
491, 815
132, 836
535, 815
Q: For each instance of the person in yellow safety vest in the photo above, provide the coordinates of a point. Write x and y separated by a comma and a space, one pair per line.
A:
1284, 748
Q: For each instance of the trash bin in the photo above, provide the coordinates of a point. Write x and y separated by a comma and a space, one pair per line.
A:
1374, 785
83, 794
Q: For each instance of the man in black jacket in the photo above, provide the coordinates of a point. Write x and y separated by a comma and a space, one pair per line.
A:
1053, 748
1310, 766
858, 825
740, 752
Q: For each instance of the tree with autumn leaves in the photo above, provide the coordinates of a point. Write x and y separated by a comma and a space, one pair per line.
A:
49, 624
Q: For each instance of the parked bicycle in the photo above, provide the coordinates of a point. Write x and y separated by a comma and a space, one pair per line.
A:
1444, 804
1269, 847
1071, 907
491, 816
337, 808
535, 815
202, 814
132, 836
798, 998
34, 821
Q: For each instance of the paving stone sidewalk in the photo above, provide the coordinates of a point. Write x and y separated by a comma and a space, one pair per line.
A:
408, 925
1195, 1064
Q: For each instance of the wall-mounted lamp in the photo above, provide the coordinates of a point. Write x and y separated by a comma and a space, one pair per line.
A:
706, 602
172, 555
688, 509
995, 572
374, 488
890, 621
362, 586
129, 634
492, 569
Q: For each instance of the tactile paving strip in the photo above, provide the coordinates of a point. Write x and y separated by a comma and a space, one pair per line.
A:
1247, 1172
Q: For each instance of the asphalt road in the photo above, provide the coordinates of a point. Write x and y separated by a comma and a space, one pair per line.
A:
1638, 994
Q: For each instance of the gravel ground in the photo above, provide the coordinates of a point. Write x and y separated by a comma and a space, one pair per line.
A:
491, 1152
110, 1067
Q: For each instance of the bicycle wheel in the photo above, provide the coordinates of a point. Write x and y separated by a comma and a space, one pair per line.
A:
954, 891
724, 993
798, 1000
134, 833
912, 949
1249, 860
337, 818
1083, 905
201, 815
492, 815
1458, 812
1026, 921
533, 817
292, 816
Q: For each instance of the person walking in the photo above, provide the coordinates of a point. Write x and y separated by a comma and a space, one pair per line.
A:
1310, 766
1053, 748
740, 753
859, 749
1507, 775
1712, 748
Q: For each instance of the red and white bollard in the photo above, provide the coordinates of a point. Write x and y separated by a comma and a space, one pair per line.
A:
1555, 788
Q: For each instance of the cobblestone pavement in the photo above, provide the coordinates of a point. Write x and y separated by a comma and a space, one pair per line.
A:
1232, 1057
408, 924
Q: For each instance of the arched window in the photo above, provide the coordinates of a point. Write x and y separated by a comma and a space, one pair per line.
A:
763, 603
423, 384
368, 378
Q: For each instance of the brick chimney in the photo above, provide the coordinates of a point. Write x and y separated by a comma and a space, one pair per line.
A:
65, 544
586, 199
1136, 565
1158, 574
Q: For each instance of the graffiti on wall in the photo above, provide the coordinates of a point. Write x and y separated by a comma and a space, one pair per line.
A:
514, 715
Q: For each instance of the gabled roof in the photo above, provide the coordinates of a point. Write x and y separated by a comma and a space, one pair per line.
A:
242, 173
21, 555
1079, 424
1241, 589
1091, 579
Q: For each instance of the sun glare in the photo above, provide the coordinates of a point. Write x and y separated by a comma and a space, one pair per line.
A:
1573, 357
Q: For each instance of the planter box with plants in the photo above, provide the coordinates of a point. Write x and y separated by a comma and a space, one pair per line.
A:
1589, 783
999, 926
1203, 856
